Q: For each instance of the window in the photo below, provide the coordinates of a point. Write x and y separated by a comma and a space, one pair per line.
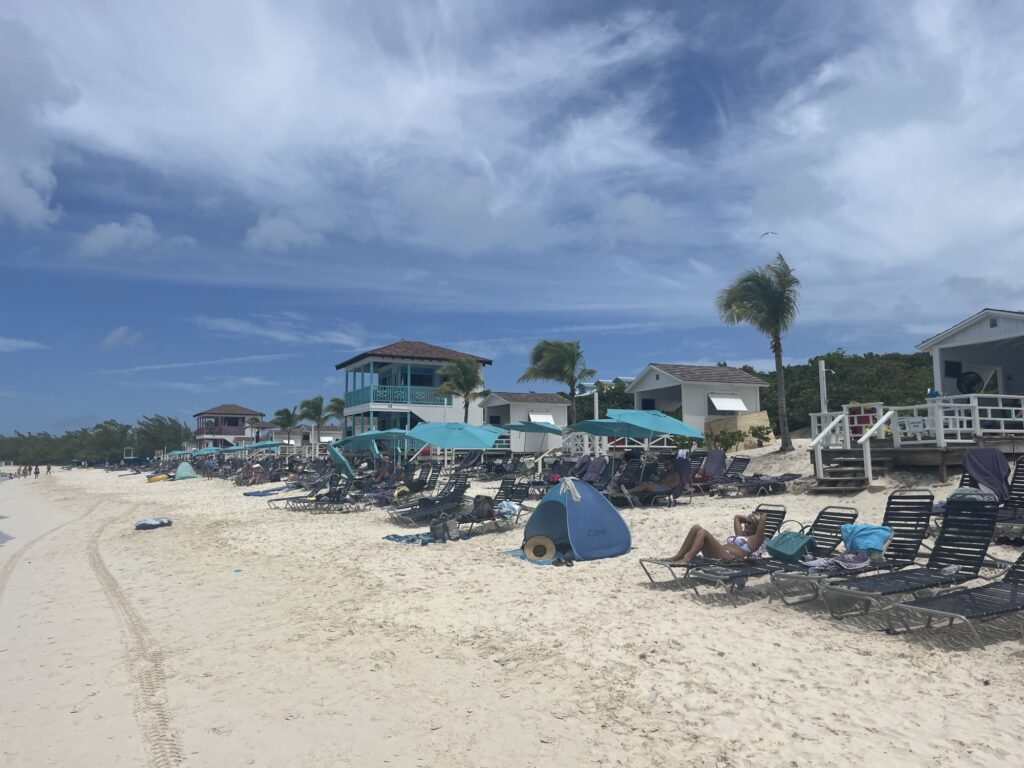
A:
545, 418
993, 322
725, 403
953, 369
647, 404
422, 376
494, 418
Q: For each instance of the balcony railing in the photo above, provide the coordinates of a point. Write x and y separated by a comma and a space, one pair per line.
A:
215, 430
397, 394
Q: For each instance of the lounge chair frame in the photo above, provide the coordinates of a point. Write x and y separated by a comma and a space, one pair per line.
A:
962, 544
967, 605
907, 512
775, 515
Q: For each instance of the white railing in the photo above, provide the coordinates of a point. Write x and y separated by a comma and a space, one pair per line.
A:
865, 442
861, 417
837, 437
816, 443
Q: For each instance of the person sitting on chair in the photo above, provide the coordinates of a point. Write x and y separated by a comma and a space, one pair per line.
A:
663, 483
747, 541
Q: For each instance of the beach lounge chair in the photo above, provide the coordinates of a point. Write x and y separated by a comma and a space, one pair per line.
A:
580, 467
712, 470
421, 512
1010, 518
594, 470
599, 479
907, 513
987, 469
470, 460
697, 456
681, 488
968, 605
826, 532
958, 556
774, 514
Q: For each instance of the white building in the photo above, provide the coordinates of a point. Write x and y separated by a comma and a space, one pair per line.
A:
506, 407
989, 344
396, 386
704, 391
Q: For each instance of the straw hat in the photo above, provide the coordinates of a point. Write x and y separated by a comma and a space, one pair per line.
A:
539, 548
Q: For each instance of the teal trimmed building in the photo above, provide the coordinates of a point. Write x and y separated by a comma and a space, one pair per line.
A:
396, 386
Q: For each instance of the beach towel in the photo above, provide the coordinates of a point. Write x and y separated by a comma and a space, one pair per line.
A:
991, 471
149, 523
864, 536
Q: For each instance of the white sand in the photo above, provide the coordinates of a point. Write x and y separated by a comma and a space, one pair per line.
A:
331, 646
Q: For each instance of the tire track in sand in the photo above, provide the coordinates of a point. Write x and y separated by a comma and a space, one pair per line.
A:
12, 563
145, 663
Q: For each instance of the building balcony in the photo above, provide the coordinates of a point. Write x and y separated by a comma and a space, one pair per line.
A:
396, 394
216, 431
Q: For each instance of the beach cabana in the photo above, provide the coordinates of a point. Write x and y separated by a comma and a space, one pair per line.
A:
575, 520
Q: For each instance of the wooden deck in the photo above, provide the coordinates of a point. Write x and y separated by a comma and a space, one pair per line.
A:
917, 457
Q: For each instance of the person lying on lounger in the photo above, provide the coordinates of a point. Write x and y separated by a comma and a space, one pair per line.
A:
747, 541
663, 483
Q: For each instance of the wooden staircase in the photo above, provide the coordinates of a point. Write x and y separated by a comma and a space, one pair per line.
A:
845, 473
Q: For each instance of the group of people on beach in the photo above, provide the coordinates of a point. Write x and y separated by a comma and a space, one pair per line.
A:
29, 471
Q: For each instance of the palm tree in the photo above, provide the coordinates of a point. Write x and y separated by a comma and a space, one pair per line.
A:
767, 299
287, 419
560, 361
462, 377
336, 409
312, 410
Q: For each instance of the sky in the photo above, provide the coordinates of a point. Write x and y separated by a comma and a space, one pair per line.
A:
216, 202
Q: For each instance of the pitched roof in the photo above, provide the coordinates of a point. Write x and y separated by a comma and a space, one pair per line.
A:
532, 397
415, 350
710, 374
229, 409
931, 341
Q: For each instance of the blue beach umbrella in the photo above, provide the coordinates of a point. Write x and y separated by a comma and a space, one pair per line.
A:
654, 423
455, 434
532, 426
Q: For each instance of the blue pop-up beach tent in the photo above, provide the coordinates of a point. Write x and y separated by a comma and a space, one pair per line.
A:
580, 522
184, 471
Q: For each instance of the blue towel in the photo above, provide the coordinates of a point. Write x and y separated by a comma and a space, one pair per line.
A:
266, 491
865, 536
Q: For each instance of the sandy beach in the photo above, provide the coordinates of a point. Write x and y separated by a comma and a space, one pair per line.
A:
249, 636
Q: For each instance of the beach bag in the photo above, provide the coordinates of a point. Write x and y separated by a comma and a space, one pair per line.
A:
790, 546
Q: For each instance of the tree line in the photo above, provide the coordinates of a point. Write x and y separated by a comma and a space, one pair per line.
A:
102, 442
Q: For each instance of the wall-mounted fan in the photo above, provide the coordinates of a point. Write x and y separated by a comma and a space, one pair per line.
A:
969, 383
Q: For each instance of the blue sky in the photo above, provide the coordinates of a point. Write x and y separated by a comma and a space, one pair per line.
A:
210, 202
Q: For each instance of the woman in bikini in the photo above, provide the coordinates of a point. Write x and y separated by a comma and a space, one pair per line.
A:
747, 541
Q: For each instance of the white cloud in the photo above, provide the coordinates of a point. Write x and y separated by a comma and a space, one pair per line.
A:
219, 384
122, 336
285, 327
29, 91
199, 363
19, 345
483, 153
279, 232
137, 235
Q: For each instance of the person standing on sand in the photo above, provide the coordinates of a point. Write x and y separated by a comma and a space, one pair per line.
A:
37, 472
49, 469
